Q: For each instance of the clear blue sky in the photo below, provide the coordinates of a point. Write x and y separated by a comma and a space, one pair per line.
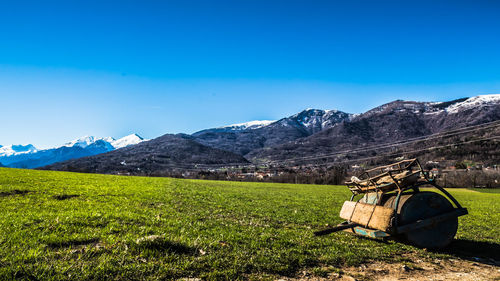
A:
110, 68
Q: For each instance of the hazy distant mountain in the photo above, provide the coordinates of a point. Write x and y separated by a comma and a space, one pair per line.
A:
154, 157
16, 150
28, 156
248, 138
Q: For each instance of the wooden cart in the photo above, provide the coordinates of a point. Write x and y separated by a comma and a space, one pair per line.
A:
393, 204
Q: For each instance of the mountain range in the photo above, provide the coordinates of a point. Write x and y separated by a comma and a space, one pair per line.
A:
155, 157
316, 136
393, 122
28, 156
242, 139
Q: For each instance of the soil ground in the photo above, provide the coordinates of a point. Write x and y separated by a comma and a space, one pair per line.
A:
416, 270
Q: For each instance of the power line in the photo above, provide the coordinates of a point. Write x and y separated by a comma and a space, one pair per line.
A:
407, 141
407, 152
205, 167
365, 158
398, 143
369, 148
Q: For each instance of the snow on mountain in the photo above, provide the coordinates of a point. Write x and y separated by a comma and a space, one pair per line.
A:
312, 120
437, 108
85, 141
315, 120
248, 125
16, 149
28, 156
127, 140
245, 137
477, 101
310, 117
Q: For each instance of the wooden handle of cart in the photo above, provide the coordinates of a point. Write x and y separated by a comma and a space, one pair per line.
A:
335, 229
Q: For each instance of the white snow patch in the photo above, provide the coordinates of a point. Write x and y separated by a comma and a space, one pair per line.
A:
331, 111
85, 141
127, 140
352, 116
249, 125
478, 101
17, 149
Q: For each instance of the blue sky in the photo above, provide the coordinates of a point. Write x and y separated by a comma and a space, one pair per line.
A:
110, 68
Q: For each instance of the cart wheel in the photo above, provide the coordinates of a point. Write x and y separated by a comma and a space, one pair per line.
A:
436, 236
424, 205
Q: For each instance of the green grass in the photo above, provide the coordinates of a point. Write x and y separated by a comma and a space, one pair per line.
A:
59, 226
487, 190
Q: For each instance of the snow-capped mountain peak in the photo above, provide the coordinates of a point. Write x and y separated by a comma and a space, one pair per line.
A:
127, 140
315, 120
477, 101
17, 149
28, 156
85, 141
249, 125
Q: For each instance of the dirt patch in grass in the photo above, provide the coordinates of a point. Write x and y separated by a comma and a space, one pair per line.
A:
64, 196
412, 269
13, 192
452, 269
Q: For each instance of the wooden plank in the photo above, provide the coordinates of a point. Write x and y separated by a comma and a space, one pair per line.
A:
372, 216
347, 210
381, 218
363, 213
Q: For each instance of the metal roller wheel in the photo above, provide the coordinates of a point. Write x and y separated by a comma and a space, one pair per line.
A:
423, 205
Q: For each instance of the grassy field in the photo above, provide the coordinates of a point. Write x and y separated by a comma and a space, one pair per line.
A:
56, 225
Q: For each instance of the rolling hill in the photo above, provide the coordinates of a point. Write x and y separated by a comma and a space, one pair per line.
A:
153, 157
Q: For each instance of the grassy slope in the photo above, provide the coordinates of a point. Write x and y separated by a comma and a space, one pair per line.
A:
210, 229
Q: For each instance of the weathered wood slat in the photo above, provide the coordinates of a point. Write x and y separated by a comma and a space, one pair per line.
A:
372, 216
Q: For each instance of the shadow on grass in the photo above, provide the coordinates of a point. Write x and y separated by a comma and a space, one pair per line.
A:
64, 196
71, 243
13, 192
378, 240
161, 245
477, 251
